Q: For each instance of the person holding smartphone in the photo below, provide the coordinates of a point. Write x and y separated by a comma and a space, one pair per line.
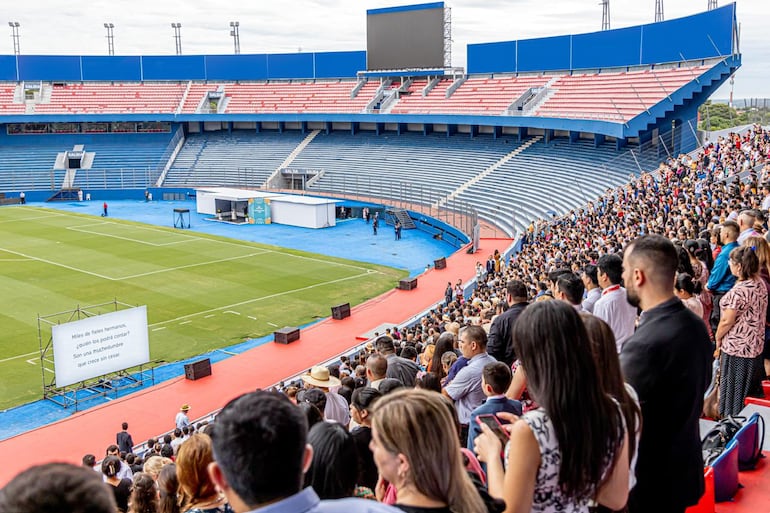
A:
545, 468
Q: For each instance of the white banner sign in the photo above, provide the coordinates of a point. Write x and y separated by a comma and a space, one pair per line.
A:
100, 345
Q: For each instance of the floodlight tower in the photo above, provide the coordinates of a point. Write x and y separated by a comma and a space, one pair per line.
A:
234, 32
15, 36
177, 37
605, 14
110, 38
712, 4
658, 10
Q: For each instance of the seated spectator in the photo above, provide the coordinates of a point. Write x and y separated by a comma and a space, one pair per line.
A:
333, 471
261, 453
144, 496
543, 471
56, 487
424, 465
198, 492
495, 380
360, 410
168, 486
121, 487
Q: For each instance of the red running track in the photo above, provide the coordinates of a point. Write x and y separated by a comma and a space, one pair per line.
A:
152, 411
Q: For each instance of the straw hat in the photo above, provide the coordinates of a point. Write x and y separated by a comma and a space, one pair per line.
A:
185, 407
319, 377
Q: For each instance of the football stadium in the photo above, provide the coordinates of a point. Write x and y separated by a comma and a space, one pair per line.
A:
525, 284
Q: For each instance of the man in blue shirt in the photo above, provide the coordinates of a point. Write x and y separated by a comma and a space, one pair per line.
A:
721, 279
261, 454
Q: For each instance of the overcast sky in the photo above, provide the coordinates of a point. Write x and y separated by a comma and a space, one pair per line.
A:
143, 27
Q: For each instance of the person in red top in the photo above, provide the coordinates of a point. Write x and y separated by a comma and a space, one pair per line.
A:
104, 214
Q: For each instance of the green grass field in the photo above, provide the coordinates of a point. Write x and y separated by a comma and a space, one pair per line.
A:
202, 292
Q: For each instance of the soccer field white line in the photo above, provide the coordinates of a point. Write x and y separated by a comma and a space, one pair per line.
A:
195, 237
138, 241
262, 298
140, 275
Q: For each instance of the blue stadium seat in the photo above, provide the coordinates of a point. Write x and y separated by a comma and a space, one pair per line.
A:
750, 443
726, 473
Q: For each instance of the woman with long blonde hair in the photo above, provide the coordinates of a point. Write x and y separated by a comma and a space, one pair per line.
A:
424, 465
199, 494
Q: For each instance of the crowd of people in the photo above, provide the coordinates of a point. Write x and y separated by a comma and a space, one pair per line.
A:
571, 378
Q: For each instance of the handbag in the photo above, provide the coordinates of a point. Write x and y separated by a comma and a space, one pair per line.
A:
711, 401
720, 435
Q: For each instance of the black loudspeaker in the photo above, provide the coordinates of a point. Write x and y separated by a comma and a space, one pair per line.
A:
408, 284
339, 312
440, 263
286, 335
197, 370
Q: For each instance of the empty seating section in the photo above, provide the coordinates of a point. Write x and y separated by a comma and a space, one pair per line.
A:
297, 97
422, 169
7, 93
544, 178
195, 96
614, 96
119, 98
243, 158
474, 96
120, 161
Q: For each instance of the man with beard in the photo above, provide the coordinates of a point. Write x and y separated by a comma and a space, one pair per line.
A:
668, 362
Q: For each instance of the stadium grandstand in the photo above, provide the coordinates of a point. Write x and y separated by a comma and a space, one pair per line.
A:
542, 155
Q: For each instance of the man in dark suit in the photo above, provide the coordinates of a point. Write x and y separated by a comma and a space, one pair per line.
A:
124, 440
500, 342
495, 380
667, 361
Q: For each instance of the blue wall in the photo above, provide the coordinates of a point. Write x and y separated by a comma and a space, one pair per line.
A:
700, 36
66, 68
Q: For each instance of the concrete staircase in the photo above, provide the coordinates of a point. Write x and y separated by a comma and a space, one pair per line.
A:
290, 158
486, 172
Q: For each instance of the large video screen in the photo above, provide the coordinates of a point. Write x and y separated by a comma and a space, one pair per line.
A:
410, 36
100, 345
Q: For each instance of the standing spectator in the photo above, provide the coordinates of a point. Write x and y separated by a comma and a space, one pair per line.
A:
448, 293
124, 471
334, 468
375, 223
397, 229
182, 420
500, 341
398, 368
198, 493
261, 455
104, 209
686, 290
495, 380
177, 440
376, 370
668, 362
721, 279
124, 440
741, 332
120, 487
547, 469
144, 496
593, 290
336, 408
168, 486
425, 466
465, 389
746, 220
361, 406
58, 487
23, 198
612, 306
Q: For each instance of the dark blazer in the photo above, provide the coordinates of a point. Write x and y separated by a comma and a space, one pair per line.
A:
668, 362
124, 441
500, 340
490, 406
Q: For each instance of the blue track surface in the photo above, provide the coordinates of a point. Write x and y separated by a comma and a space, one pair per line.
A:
351, 238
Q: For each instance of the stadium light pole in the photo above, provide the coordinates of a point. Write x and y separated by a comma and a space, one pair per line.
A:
110, 38
658, 10
235, 33
177, 37
712, 5
605, 14
15, 36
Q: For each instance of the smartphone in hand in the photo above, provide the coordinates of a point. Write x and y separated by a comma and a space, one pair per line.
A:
493, 423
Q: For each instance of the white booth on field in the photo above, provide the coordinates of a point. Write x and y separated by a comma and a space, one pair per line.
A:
243, 206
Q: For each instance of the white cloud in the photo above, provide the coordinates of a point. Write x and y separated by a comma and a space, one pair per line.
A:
143, 27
